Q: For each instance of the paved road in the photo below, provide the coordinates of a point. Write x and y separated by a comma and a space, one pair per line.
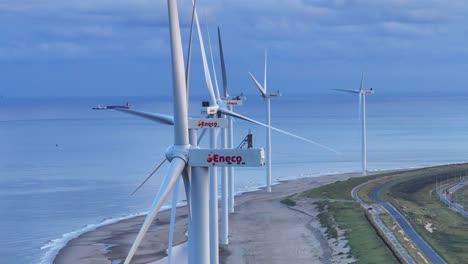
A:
454, 206
375, 214
430, 254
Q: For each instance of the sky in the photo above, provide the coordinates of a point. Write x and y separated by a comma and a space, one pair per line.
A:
121, 47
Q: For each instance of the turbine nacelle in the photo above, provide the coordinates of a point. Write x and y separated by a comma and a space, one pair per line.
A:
277, 94
213, 122
209, 109
196, 157
362, 91
234, 100
227, 157
370, 91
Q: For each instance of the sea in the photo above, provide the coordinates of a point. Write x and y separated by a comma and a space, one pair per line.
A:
66, 169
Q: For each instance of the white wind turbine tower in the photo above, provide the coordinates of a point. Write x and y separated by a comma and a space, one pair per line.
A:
266, 97
362, 109
227, 180
178, 155
214, 228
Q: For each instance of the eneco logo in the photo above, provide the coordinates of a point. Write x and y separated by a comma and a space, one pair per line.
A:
207, 124
215, 158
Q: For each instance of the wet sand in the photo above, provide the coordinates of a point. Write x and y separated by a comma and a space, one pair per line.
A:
262, 230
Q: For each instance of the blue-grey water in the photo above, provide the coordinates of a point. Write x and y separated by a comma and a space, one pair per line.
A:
65, 168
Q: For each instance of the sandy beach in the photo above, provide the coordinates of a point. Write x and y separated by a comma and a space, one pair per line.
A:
262, 230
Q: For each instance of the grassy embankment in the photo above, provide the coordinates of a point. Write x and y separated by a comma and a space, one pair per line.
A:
340, 211
443, 229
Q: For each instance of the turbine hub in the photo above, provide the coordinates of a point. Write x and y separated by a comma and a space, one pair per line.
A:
177, 151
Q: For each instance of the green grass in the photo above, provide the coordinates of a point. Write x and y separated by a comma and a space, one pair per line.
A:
288, 201
365, 245
338, 190
414, 196
327, 220
407, 244
365, 190
461, 196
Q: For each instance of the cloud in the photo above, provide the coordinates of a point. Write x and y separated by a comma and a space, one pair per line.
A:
62, 49
67, 49
103, 27
294, 27
350, 29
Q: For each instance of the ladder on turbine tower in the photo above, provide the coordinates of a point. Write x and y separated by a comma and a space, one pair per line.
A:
248, 140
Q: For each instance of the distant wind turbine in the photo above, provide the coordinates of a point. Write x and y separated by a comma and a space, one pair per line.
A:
227, 179
266, 97
362, 109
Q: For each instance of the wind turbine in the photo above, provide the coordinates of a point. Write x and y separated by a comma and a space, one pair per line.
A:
177, 154
227, 179
213, 215
266, 97
166, 119
188, 159
362, 109
214, 229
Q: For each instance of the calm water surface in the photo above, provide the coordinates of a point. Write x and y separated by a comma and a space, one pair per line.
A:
65, 168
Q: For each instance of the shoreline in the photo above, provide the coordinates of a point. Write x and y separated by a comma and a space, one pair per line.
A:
99, 244
57, 244
108, 242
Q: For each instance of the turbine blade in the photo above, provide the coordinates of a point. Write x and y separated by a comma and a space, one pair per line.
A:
265, 73
202, 134
186, 177
160, 118
259, 86
175, 169
223, 65
175, 196
213, 65
236, 115
206, 69
189, 52
362, 81
147, 178
347, 91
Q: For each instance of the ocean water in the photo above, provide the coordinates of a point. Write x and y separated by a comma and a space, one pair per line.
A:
65, 168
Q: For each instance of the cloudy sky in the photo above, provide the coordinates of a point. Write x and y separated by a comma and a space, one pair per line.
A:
120, 47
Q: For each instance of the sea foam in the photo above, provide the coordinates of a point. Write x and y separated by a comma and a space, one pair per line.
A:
54, 246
